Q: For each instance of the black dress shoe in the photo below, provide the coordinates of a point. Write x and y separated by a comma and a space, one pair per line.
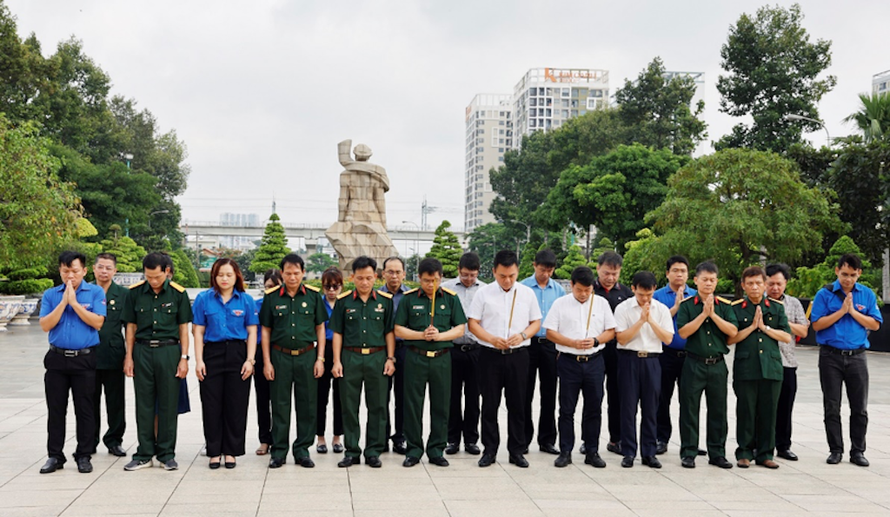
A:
627, 462
525, 451
306, 462
583, 448
661, 448
486, 460
651, 462
275, 463
349, 461
564, 460
519, 460
214, 465
410, 461
688, 462
594, 459
702, 452
834, 458
337, 448
51, 466
549, 449
399, 447
855, 458
451, 448
117, 450
230, 465
721, 462
439, 462
85, 467
614, 447
788, 455
373, 462
321, 448
472, 448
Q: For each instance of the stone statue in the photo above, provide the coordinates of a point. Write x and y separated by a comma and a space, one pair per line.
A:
361, 221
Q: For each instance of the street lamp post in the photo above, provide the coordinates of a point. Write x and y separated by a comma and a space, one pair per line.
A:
528, 233
154, 213
796, 118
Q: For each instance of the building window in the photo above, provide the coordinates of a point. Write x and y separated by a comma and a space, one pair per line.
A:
500, 158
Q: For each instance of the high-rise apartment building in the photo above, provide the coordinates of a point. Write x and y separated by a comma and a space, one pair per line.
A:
489, 133
880, 83
238, 242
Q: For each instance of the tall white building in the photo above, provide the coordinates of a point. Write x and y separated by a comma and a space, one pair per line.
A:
489, 133
238, 242
880, 83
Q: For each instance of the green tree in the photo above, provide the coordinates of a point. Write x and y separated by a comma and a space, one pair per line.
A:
25, 72
527, 260
184, 272
873, 117
738, 207
129, 254
808, 280
446, 248
772, 69
318, 262
574, 259
642, 255
486, 241
272, 249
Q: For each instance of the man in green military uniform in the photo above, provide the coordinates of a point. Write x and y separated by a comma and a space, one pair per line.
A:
293, 341
110, 357
428, 319
157, 315
363, 347
757, 370
706, 321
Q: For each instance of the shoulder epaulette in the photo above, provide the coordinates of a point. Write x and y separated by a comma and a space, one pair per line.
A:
780, 302
386, 295
344, 295
449, 291
137, 284
178, 287
412, 290
740, 300
312, 288
724, 300
687, 299
272, 289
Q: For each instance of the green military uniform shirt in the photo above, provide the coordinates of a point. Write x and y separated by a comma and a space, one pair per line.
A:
157, 315
363, 324
293, 318
758, 356
111, 350
708, 340
415, 313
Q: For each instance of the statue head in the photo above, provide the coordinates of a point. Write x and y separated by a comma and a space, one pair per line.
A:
362, 152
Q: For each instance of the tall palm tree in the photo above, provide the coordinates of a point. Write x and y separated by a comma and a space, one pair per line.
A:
873, 117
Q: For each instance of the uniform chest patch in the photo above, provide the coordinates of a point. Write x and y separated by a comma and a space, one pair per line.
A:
860, 308
350, 311
237, 312
168, 304
280, 307
418, 307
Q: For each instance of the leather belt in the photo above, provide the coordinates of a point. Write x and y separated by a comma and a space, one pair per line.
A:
706, 360
72, 353
293, 351
673, 351
154, 343
642, 354
365, 351
540, 340
429, 353
227, 342
842, 351
581, 358
504, 352
466, 347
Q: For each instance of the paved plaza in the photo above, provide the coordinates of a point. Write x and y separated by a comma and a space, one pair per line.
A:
808, 486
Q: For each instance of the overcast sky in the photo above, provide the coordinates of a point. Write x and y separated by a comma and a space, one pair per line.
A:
262, 91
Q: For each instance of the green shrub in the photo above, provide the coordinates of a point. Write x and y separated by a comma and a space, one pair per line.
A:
27, 286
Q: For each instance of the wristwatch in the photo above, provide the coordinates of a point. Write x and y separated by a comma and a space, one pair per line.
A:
523, 335
252, 362
768, 328
393, 359
184, 357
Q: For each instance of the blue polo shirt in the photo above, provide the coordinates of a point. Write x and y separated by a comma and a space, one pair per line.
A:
545, 297
328, 333
71, 332
224, 321
846, 333
666, 296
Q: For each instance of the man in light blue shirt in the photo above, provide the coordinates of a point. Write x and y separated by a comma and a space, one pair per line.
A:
542, 356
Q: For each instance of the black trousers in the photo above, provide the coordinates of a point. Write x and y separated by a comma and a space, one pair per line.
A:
464, 421
850, 371
671, 361
508, 374
325, 382
613, 398
77, 375
263, 401
785, 408
112, 383
577, 378
397, 390
639, 379
224, 398
541, 363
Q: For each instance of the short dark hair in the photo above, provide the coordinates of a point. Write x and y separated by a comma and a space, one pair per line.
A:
505, 258
753, 271
67, 258
107, 256
545, 258
609, 258
429, 266
706, 267
274, 275
677, 259
469, 261
168, 261
155, 260
394, 257
644, 280
332, 276
363, 262
772, 269
851, 260
582, 275
292, 258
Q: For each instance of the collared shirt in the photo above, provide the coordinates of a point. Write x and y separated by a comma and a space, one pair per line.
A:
492, 308
617, 294
846, 333
576, 320
415, 313
396, 298
466, 295
757, 356
292, 319
545, 296
224, 321
795, 314
111, 350
328, 333
363, 324
646, 340
708, 340
666, 296
71, 332
157, 315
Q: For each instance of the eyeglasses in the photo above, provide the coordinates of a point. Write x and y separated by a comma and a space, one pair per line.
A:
332, 287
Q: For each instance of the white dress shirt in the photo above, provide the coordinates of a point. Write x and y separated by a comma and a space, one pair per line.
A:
465, 295
492, 306
569, 317
628, 313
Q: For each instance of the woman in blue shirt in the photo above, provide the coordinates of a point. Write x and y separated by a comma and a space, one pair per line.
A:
271, 278
225, 330
332, 282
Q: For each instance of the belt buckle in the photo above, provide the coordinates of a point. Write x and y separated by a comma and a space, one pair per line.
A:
847, 352
643, 354
466, 348
70, 353
430, 353
366, 351
710, 360
681, 353
582, 358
